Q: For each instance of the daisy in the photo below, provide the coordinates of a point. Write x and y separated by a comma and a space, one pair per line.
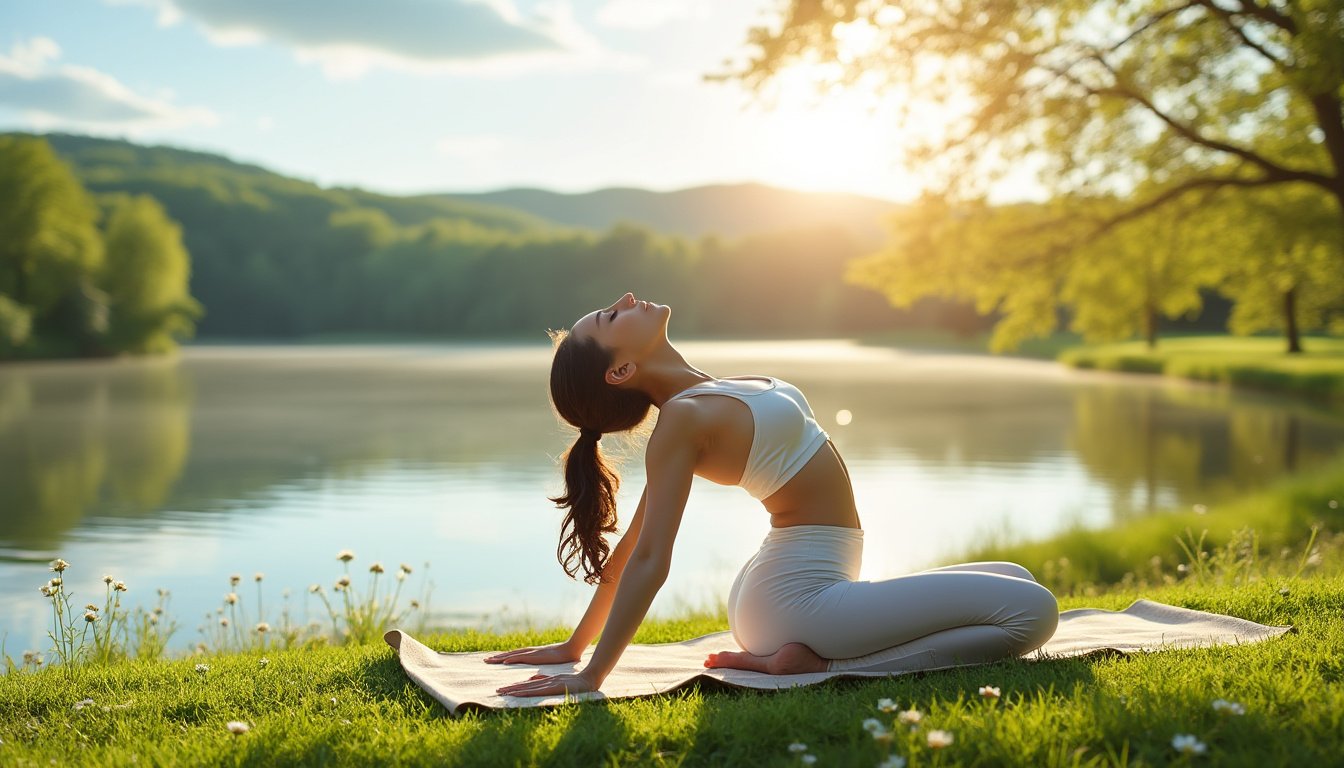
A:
1186, 743
797, 746
345, 555
939, 739
237, 727
910, 717
989, 692
886, 705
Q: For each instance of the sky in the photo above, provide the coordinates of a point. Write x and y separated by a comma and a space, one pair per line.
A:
409, 96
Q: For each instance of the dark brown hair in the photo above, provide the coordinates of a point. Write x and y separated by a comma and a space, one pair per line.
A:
582, 397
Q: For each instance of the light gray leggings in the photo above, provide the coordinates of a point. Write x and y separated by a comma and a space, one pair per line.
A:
801, 587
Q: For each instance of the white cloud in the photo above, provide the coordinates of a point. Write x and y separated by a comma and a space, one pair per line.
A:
647, 14
349, 37
49, 94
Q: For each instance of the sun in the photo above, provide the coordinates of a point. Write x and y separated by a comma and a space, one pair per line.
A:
842, 140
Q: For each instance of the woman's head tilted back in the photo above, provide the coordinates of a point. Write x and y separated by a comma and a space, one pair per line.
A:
583, 397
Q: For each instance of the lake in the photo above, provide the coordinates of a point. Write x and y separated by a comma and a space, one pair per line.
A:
175, 473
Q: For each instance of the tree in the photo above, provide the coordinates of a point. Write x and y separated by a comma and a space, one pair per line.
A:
1141, 271
1131, 107
1287, 278
49, 241
145, 277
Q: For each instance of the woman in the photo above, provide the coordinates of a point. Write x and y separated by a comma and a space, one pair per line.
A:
796, 606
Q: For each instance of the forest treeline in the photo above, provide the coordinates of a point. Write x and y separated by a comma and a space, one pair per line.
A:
102, 266
276, 257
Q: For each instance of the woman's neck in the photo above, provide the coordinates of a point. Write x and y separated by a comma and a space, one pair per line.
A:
666, 373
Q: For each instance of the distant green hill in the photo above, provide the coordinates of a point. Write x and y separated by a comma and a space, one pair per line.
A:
113, 165
728, 210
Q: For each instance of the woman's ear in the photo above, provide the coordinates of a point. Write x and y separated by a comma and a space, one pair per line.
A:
621, 374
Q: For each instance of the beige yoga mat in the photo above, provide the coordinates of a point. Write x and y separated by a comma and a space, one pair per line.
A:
463, 680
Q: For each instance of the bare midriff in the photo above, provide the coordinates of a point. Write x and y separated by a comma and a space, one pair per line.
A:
820, 494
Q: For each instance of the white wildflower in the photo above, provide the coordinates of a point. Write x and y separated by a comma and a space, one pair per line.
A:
989, 691
407, 568
892, 761
82, 703
258, 576
263, 627
797, 746
315, 588
940, 739
237, 727
910, 717
808, 759
1186, 743
235, 579
90, 616
231, 598
1225, 707
376, 568
120, 586
202, 668
59, 565
263, 661
872, 725
886, 705
345, 555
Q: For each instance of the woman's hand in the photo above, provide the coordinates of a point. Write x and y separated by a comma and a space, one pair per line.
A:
550, 685
559, 653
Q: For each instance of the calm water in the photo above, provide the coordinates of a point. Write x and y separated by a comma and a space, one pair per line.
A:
178, 473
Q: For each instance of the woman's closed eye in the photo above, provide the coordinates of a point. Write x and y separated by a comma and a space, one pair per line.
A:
613, 315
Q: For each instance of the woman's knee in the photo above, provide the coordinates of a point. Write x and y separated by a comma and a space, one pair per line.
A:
1040, 618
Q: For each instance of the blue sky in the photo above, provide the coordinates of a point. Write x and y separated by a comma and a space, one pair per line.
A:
409, 96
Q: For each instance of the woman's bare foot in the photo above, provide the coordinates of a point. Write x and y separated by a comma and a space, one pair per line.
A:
790, 659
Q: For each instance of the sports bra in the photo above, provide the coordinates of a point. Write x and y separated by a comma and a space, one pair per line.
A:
786, 433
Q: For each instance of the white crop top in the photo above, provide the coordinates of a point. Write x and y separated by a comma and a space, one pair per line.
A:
787, 434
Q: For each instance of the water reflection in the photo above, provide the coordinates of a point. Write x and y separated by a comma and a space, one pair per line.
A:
111, 437
178, 472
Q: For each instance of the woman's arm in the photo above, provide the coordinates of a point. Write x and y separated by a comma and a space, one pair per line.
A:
670, 464
598, 608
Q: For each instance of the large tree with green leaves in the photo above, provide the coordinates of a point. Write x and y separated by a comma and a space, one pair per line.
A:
145, 277
49, 244
1140, 104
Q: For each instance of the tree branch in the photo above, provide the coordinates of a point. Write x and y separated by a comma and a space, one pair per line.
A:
1229, 20
1268, 15
1275, 171
1151, 22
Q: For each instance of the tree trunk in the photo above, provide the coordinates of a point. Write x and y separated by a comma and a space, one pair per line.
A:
1150, 327
1290, 321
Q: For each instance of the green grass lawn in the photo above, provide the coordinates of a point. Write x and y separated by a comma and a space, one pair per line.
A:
354, 706
1259, 363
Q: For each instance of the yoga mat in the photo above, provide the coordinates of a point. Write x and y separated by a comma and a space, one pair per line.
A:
460, 680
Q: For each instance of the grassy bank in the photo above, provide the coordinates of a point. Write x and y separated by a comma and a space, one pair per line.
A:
354, 706
1275, 524
1257, 363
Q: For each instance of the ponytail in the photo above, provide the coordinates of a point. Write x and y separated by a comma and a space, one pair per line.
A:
583, 398
590, 496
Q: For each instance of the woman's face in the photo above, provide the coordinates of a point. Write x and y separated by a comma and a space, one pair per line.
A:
627, 327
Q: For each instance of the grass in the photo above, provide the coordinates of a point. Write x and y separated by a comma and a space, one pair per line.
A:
354, 706
1257, 363
1150, 550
